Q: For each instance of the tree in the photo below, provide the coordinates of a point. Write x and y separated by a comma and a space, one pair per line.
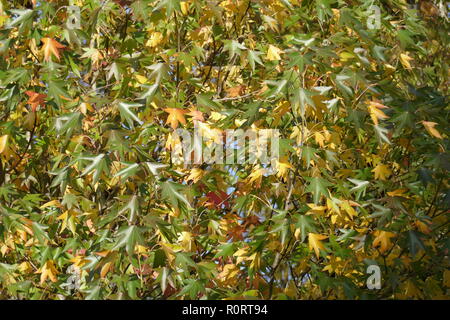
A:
93, 205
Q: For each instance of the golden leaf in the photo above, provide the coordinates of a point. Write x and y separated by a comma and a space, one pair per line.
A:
3, 142
405, 59
155, 39
429, 126
314, 241
382, 172
48, 270
383, 240
375, 112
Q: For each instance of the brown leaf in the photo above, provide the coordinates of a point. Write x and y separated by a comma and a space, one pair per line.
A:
35, 100
236, 91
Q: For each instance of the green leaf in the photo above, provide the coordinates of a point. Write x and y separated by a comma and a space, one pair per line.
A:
306, 225
57, 92
415, 242
318, 187
128, 237
253, 58
173, 193
128, 115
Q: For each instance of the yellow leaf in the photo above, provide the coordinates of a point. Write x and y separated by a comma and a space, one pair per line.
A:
155, 39
105, 269
315, 243
186, 240
229, 274
273, 53
3, 141
405, 59
411, 290
256, 177
184, 5
375, 112
283, 168
195, 175
216, 116
429, 126
141, 79
255, 261
346, 206
53, 203
319, 139
381, 172
78, 261
25, 267
397, 193
241, 255
383, 240
85, 107
315, 209
48, 270
345, 56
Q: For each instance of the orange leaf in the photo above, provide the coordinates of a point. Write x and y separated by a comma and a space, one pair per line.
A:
175, 116
50, 47
36, 99
196, 115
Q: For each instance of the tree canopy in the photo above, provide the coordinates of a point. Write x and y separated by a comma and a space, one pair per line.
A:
92, 205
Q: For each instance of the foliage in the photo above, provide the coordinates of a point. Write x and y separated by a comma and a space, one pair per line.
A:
92, 207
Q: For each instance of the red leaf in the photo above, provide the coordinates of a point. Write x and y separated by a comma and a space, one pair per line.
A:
218, 197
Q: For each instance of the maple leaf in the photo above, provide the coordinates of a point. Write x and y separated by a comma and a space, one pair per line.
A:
155, 39
3, 141
256, 177
196, 115
405, 59
383, 240
218, 197
314, 241
236, 91
429, 126
236, 233
283, 169
51, 47
48, 270
375, 112
195, 175
273, 53
35, 100
423, 226
175, 116
381, 172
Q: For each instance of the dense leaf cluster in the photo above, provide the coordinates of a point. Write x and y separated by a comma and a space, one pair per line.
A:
93, 207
